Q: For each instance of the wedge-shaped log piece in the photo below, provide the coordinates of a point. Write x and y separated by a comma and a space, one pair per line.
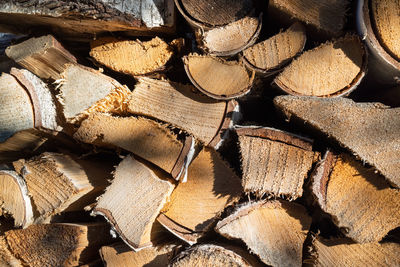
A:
194, 205
7, 259
326, 17
231, 39
269, 56
360, 201
57, 244
273, 230
120, 254
274, 162
331, 69
210, 255
57, 182
218, 78
131, 57
369, 130
175, 103
86, 19
133, 201
344, 252
143, 137
44, 56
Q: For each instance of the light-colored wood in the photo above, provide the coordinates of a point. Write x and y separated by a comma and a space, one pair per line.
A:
218, 78
133, 201
326, 17
57, 244
272, 165
360, 201
331, 69
57, 182
385, 15
344, 252
143, 137
231, 39
16, 109
177, 104
120, 254
6, 258
273, 230
272, 54
194, 205
370, 130
131, 57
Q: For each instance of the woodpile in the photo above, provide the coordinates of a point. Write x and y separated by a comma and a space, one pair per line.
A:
199, 133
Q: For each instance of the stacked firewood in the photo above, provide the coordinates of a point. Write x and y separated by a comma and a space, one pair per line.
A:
230, 133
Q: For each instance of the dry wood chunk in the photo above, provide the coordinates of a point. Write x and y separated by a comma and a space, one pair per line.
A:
175, 103
385, 15
331, 69
194, 205
369, 130
6, 258
274, 162
44, 56
218, 78
273, 230
131, 57
51, 245
58, 182
143, 137
360, 201
343, 252
325, 16
133, 201
270, 55
231, 39
121, 255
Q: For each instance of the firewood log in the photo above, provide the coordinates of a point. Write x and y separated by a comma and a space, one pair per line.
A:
274, 162
273, 230
175, 103
143, 137
369, 130
7, 259
331, 69
360, 201
194, 205
229, 79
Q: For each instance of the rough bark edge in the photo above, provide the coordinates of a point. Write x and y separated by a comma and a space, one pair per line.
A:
178, 230
185, 158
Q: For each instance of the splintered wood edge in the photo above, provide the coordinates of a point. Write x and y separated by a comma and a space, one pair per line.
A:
276, 135
232, 116
364, 28
184, 159
249, 43
320, 177
178, 230
28, 211
218, 97
341, 92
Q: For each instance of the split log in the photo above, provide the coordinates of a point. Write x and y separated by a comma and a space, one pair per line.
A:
356, 126
343, 252
269, 56
133, 201
212, 255
229, 79
120, 254
131, 57
360, 201
57, 244
86, 19
232, 38
274, 162
331, 69
323, 18
273, 230
195, 205
7, 259
175, 103
143, 137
